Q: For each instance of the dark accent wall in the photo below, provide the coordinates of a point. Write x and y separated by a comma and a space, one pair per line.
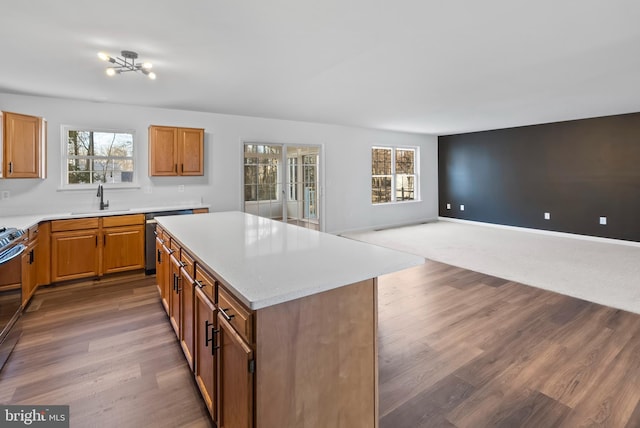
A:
577, 171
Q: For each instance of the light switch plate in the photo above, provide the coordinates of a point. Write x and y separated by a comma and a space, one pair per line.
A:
461, 207
603, 221
448, 206
547, 216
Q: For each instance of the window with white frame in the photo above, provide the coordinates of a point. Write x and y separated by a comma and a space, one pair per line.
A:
394, 174
262, 172
92, 156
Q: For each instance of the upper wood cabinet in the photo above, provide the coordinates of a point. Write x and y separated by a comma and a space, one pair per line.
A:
176, 151
24, 142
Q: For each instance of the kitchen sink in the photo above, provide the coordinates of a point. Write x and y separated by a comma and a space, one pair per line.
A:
105, 212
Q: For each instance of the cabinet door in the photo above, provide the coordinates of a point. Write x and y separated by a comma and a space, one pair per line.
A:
174, 295
74, 254
190, 151
204, 348
186, 315
22, 144
26, 276
163, 151
123, 248
235, 374
162, 275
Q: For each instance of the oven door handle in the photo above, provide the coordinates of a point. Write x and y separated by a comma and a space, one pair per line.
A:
12, 253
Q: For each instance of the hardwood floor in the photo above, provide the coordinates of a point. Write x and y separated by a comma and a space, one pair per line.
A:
457, 349
106, 349
463, 349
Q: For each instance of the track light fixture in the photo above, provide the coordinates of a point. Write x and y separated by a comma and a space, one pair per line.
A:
126, 63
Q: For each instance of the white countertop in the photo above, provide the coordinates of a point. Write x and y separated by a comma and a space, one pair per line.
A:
267, 262
28, 220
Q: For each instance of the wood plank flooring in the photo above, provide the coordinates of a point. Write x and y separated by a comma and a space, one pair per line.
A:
106, 349
457, 349
463, 349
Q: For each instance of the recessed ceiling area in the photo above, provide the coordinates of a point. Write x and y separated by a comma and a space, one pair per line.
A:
425, 66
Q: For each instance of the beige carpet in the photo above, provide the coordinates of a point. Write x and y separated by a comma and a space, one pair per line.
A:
605, 273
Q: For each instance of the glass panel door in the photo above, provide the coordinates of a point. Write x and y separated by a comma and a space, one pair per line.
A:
263, 180
303, 184
281, 182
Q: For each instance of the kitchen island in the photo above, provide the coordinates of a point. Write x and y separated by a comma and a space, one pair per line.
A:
295, 316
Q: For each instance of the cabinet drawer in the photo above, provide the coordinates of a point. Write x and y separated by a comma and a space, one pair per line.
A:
206, 282
240, 318
123, 220
188, 263
75, 224
175, 248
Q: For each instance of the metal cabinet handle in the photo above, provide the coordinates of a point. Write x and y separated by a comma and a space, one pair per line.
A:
10, 167
211, 339
159, 256
225, 315
178, 279
198, 283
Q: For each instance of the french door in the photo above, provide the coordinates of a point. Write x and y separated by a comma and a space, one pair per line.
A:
282, 182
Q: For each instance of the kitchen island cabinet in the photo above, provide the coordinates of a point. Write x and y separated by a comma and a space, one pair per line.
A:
291, 319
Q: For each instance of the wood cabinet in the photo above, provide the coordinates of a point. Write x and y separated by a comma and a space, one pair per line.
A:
186, 306
162, 269
310, 361
122, 243
24, 143
29, 265
174, 295
87, 247
235, 373
75, 251
176, 151
205, 326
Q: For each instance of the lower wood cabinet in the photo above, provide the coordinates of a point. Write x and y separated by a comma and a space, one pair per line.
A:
235, 377
310, 361
186, 308
123, 248
74, 254
174, 293
29, 270
205, 327
162, 271
94, 246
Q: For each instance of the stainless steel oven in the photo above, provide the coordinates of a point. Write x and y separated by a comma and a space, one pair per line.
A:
11, 249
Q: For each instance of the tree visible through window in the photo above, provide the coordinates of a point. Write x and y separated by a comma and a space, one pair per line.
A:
98, 157
261, 164
393, 174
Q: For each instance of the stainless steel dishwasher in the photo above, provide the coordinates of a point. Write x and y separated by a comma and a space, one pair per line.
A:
150, 237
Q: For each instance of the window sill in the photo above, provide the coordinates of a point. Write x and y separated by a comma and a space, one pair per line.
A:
384, 204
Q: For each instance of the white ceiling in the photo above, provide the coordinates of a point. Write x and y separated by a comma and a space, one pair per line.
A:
437, 67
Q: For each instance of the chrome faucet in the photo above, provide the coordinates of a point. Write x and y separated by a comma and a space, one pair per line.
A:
101, 196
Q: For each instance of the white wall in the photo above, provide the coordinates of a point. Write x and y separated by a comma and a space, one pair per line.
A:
346, 197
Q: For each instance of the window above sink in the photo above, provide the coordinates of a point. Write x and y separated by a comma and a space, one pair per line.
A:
92, 156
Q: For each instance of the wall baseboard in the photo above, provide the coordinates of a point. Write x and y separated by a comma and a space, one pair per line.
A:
544, 232
386, 226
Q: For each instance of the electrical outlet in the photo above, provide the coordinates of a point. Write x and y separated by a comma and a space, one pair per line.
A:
6, 194
461, 207
547, 216
603, 221
181, 188
148, 189
448, 206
